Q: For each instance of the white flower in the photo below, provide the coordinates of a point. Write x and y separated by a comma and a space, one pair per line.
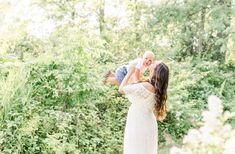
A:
178, 114
193, 137
230, 146
187, 151
217, 141
210, 119
215, 105
175, 150
206, 139
208, 116
226, 130
205, 130
214, 136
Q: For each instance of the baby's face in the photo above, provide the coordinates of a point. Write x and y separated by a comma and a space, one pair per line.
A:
148, 60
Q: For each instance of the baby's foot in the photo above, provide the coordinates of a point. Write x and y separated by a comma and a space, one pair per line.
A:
106, 75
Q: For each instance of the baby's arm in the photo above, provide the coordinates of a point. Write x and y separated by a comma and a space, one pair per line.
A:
138, 75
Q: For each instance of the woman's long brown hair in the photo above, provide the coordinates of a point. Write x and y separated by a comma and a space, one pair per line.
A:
160, 82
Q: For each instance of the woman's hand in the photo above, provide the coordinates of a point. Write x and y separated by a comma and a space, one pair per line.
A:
126, 79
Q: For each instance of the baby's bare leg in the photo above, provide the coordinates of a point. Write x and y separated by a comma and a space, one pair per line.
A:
111, 74
112, 80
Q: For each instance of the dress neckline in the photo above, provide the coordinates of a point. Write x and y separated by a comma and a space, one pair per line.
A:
147, 89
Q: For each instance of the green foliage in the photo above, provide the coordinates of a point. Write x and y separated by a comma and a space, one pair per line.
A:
52, 101
200, 28
59, 83
190, 84
62, 113
26, 46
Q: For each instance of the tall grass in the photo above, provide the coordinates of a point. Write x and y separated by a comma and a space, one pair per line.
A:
13, 88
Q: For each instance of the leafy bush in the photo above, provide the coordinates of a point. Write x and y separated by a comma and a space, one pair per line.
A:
59, 83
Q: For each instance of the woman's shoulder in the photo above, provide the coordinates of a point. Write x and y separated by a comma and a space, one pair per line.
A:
148, 86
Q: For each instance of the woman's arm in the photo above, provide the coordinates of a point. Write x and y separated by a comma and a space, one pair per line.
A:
126, 79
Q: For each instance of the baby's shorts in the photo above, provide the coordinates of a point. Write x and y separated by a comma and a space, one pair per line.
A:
121, 72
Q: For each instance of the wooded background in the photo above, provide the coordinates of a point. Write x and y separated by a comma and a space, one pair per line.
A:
53, 54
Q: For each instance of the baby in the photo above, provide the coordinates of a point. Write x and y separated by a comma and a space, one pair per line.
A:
140, 65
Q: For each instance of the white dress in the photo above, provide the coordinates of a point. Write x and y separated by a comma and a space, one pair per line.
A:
141, 126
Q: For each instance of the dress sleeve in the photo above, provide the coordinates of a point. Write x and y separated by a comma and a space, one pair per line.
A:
129, 89
136, 90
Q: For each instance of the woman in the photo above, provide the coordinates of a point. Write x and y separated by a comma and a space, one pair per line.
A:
148, 104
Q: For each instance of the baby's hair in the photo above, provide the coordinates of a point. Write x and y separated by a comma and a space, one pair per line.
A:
148, 52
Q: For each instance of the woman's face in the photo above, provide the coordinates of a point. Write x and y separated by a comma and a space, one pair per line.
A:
152, 67
151, 70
